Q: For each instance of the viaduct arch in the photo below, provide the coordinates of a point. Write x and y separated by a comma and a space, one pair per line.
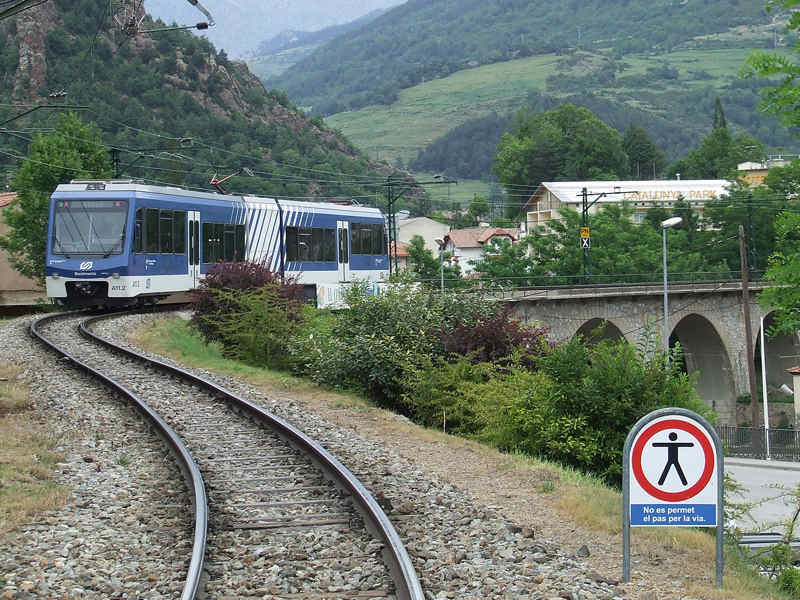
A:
706, 319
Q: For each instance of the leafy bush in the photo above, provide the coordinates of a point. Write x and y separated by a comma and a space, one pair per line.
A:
585, 400
435, 393
259, 324
380, 337
210, 307
245, 307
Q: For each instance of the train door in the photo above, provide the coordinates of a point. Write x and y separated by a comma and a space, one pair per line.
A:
343, 236
194, 247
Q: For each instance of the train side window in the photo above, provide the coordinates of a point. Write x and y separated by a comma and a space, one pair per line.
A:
151, 230
179, 232
310, 244
230, 242
304, 244
165, 231
240, 251
138, 231
367, 238
209, 243
291, 243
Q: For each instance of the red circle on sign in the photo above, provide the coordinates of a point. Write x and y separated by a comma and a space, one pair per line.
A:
708, 453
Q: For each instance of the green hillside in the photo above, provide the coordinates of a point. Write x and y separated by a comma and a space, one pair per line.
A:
671, 95
170, 107
428, 39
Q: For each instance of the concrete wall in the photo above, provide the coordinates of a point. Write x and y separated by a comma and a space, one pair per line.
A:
14, 288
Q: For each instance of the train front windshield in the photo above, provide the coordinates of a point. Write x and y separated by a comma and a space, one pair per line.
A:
84, 227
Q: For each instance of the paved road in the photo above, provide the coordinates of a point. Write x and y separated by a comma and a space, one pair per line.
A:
757, 476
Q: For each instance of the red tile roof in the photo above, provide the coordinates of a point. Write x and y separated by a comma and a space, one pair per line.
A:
402, 250
476, 237
7, 198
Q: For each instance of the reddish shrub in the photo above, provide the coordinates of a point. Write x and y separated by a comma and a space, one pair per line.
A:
493, 338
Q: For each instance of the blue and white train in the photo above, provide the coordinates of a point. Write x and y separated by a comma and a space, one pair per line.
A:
122, 242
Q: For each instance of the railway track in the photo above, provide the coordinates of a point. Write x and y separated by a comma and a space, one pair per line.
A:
275, 514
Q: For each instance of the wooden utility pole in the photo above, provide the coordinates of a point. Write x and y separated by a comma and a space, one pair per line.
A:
748, 334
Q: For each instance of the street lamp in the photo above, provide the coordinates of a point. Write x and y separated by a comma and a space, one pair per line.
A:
666, 224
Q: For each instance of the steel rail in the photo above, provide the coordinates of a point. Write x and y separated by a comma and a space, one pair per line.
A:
407, 586
191, 473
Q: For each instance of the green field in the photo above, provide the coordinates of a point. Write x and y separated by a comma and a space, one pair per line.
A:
429, 110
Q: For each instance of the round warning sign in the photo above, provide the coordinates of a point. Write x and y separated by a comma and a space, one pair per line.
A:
672, 475
673, 472
663, 454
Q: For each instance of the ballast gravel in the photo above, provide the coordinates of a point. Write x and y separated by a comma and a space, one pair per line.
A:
126, 531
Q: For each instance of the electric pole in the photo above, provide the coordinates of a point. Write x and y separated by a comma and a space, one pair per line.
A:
748, 334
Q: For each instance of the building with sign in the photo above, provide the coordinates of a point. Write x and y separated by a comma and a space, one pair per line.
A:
755, 173
552, 196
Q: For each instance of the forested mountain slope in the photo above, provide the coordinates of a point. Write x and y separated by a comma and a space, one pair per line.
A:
175, 109
425, 39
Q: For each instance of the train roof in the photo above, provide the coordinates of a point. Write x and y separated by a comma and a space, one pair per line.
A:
126, 185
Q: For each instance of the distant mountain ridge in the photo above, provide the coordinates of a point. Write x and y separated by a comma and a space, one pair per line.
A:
292, 38
426, 39
241, 25
274, 56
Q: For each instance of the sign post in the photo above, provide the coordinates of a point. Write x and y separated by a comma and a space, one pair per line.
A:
672, 476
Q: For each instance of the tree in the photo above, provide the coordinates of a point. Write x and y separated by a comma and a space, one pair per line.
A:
425, 266
784, 274
719, 115
73, 151
755, 209
567, 143
621, 251
478, 207
782, 99
644, 157
718, 156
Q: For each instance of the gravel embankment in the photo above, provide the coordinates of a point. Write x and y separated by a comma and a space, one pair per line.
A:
471, 531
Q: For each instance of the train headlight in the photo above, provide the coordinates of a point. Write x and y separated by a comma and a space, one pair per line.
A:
115, 275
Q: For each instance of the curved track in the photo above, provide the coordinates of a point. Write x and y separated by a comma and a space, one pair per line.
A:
283, 511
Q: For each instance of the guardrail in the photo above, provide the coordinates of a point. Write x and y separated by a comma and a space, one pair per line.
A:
784, 444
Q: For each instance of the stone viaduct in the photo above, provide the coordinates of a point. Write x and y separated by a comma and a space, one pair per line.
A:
706, 318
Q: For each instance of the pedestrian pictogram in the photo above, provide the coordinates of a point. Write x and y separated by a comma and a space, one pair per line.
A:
672, 460
672, 456
672, 476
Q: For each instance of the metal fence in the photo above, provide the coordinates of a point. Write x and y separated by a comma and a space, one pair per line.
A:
784, 444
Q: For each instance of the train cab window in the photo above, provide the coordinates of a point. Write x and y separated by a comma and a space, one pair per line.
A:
138, 231
310, 244
366, 238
